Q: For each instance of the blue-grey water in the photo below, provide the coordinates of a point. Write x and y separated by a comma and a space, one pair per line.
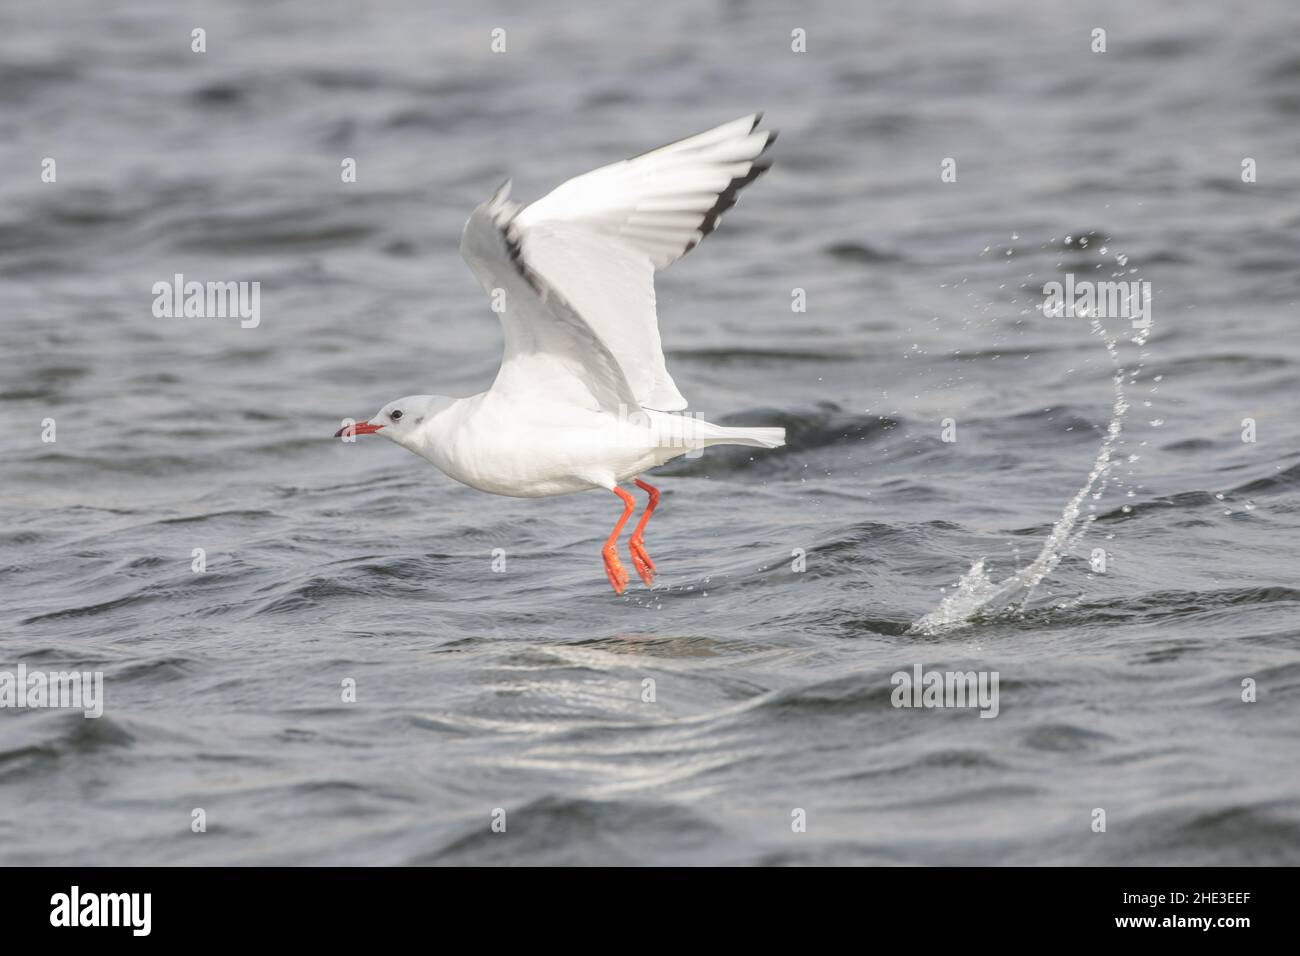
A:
524, 690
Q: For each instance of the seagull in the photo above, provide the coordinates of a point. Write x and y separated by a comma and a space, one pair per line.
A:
583, 399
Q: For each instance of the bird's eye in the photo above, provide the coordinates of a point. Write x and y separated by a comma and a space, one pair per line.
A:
395, 414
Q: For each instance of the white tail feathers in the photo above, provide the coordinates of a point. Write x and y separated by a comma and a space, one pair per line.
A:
753, 437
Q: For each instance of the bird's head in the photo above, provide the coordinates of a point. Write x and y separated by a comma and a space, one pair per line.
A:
399, 420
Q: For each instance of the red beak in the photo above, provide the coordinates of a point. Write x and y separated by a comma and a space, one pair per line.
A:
360, 428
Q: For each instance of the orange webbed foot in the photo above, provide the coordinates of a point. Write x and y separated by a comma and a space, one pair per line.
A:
614, 570
641, 561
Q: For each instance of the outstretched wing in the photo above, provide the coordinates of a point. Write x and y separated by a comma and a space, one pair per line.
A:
599, 238
549, 349
588, 251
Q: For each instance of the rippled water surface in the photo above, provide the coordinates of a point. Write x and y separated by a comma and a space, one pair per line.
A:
524, 690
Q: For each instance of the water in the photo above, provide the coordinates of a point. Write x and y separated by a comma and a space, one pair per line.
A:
523, 690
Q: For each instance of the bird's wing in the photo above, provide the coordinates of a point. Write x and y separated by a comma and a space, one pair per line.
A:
550, 351
595, 242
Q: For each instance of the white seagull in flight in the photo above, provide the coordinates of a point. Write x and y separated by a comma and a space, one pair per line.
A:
583, 398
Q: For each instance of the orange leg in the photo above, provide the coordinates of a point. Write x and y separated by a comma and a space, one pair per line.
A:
644, 566
613, 568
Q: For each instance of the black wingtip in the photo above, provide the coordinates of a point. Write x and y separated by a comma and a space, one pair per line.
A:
727, 198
